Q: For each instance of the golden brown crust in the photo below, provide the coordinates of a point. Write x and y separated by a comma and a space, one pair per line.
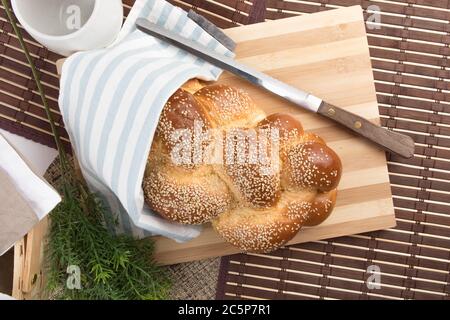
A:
255, 188
256, 210
189, 196
229, 107
190, 202
311, 165
253, 184
321, 208
312, 137
256, 230
289, 128
180, 112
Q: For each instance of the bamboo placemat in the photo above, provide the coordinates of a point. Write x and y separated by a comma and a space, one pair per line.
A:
410, 60
21, 110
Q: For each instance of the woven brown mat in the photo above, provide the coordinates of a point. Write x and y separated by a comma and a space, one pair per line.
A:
194, 280
190, 281
411, 68
22, 112
410, 60
21, 109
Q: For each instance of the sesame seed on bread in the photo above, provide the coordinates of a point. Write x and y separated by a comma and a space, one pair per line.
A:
255, 210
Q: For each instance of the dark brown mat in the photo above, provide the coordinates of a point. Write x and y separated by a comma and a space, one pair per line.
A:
21, 110
410, 59
6, 274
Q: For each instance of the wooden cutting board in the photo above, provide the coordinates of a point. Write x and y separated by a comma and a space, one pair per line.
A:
327, 54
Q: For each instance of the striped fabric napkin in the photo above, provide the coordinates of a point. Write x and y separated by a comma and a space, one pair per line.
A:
111, 100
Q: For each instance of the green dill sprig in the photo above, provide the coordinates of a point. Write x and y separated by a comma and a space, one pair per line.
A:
111, 266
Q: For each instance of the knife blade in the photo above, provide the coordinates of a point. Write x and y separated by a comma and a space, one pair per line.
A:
212, 29
391, 141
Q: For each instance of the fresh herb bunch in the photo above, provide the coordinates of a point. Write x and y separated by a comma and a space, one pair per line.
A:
112, 266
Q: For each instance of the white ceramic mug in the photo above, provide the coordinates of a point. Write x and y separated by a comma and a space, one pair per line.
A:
67, 26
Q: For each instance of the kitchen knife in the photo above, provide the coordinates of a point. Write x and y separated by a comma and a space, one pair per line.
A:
212, 29
393, 142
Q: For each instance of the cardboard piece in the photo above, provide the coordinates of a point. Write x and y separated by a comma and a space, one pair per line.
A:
16, 216
25, 197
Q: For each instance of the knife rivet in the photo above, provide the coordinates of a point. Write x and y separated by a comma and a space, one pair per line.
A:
331, 112
358, 124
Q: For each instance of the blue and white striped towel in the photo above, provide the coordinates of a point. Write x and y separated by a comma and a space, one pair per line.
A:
111, 100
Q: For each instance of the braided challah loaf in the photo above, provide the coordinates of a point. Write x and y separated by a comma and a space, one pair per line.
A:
255, 202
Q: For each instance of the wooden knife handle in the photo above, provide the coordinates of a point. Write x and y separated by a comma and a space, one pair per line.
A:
397, 143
